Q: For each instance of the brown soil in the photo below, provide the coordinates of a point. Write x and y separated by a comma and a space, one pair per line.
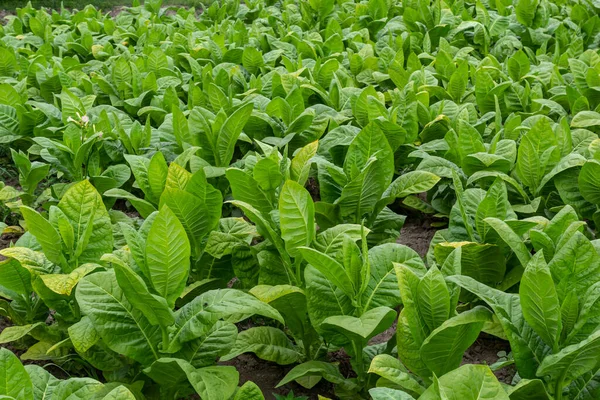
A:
267, 375
417, 233
3, 15
5, 241
313, 188
485, 351
386, 335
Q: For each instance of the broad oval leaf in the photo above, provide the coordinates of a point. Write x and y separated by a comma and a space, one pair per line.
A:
296, 217
589, 183
14, 380
443, 350
122, 328
539, 300
168, 255
268, 343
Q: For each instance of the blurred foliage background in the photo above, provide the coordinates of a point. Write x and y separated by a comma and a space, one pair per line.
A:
11, 5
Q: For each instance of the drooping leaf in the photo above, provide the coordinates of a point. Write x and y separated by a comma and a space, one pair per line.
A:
268, 343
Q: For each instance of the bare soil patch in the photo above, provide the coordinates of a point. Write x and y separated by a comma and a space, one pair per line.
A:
417, 233
267, 375
485, 351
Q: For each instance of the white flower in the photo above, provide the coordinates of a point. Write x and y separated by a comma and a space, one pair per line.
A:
85, 119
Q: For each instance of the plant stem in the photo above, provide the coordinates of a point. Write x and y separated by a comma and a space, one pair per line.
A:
558, 388
359, 361
298, 268
165, 338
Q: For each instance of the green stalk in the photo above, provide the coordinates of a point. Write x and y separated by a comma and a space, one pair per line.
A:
30, 309
74, 307
558, 391
558, 387
298, 270
306, 346
165, 338
359, 360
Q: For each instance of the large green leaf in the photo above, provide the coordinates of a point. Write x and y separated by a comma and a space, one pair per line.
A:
249, 390
43, 382
145, 208
216, 342
469, 382
588, 181
154, 308
16, 332
362, 193
296, 217
527, 347
198, 216
119, 393
245, 188
585, 119
324, 298
168, 255
77, 389
267, 174
14, 278
230, 131
442, 351
528, 389
123, 328
46, 235
494, 205
413, 182
157, 175
64, 283
268, 343
14, 380
575, 265
538, 153
330, 240
391, 369
83, 335
214, 383
313, 368
408, 283
370, 142
382, 289
483, 262
363, 328
195, 318
433, 298
265, 229
539, 300
572, 361
511, 238
384, 393
328, 266
290, 301
85, 211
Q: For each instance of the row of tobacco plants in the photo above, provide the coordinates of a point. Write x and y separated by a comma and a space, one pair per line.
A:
181, 172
